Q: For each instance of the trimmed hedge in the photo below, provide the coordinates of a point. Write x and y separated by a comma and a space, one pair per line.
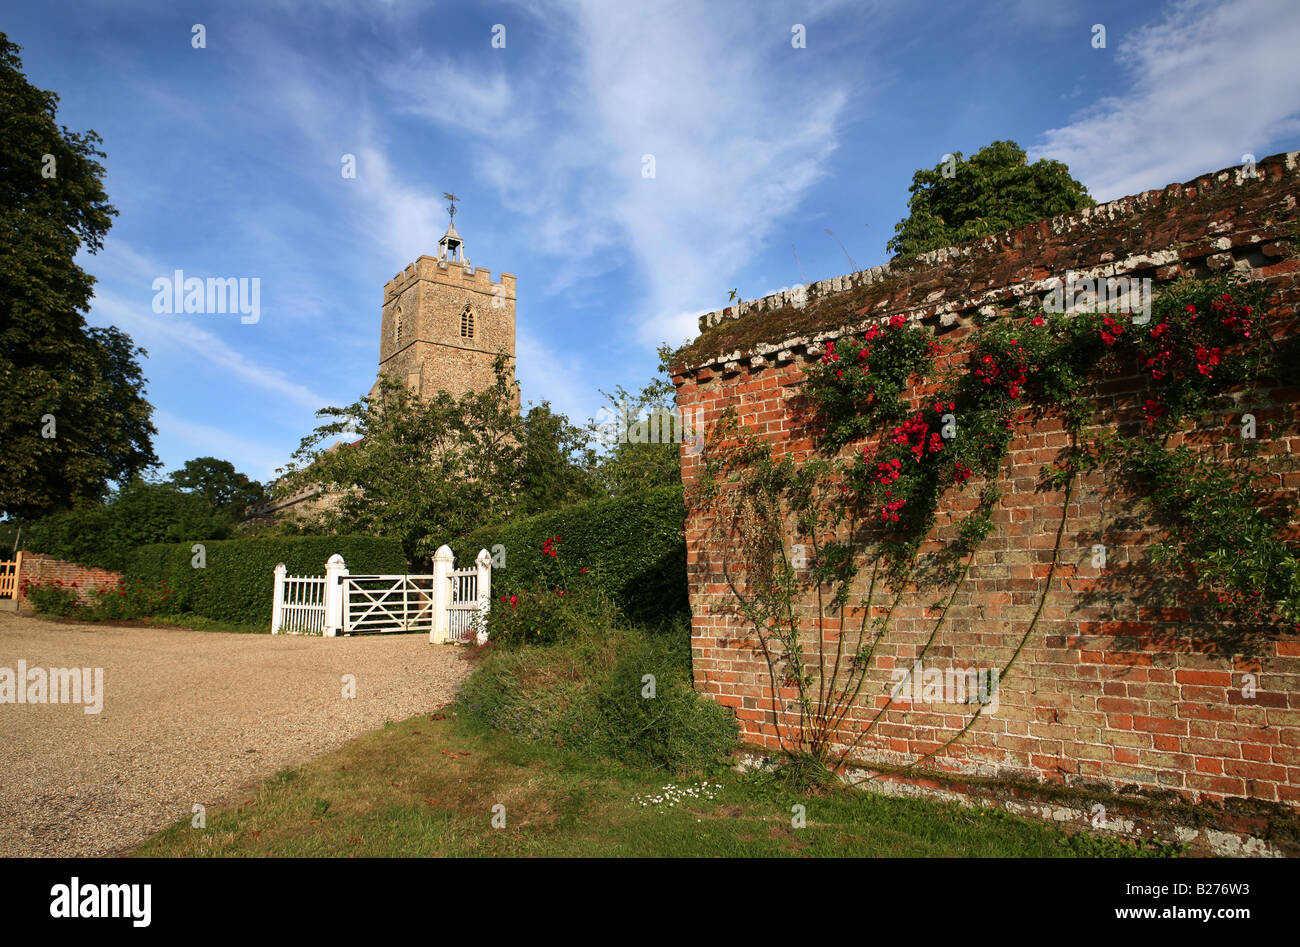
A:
632, 547
238, 581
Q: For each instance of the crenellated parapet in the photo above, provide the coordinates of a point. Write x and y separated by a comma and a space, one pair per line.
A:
449, 273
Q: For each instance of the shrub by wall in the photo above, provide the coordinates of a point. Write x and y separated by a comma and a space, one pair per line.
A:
589, 694
632, 549
237, 580
39, 569
141, 513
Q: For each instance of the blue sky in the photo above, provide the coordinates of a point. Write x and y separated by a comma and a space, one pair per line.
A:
226, 161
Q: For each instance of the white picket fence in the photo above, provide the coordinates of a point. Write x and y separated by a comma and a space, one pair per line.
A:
451, 604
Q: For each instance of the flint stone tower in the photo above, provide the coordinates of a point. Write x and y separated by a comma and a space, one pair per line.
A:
444, 321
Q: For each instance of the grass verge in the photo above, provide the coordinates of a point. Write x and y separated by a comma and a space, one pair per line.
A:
200, 623
428, 786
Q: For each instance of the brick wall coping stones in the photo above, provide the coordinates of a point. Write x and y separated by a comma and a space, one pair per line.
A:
1160, 233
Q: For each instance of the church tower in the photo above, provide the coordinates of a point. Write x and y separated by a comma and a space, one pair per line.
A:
444, 321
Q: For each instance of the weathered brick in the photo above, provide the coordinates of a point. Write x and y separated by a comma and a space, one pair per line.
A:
1113, 683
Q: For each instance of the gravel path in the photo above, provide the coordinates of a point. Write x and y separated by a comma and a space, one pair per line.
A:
188, 717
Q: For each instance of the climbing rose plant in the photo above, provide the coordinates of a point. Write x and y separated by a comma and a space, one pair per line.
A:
885, 468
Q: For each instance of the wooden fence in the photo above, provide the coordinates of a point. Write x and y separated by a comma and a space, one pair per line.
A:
10, 575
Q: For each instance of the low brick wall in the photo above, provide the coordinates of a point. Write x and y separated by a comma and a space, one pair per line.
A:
40, 568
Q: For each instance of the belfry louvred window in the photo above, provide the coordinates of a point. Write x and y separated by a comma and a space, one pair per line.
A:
467, 323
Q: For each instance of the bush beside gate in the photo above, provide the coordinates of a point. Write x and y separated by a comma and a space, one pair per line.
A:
632, 548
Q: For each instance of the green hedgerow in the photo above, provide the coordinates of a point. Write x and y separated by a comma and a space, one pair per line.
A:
234, 579
632, 548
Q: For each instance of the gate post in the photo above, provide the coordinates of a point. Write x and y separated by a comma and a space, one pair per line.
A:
277, 600
336, 570
484, 564
443, 563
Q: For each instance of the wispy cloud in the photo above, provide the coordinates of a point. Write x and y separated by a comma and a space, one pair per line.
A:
1210, 82
179, 337
700, 101
438, 91
550, 373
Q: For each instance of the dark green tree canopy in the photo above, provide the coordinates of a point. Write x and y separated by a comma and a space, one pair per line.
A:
137, 513
225, 489
995, 190
558, 462
73, 417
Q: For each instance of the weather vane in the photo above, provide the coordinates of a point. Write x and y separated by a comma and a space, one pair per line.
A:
451, 208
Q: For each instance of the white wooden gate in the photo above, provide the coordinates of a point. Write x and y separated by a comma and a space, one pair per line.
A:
299, 605
451, 604
377, 603
463, 611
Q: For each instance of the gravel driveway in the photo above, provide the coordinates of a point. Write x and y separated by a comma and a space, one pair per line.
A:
188, 717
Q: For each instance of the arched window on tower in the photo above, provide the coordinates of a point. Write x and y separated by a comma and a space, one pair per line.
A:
467, 323
397, 326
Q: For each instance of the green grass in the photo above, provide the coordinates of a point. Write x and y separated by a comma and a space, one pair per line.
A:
200, 623
186, 620
427, 786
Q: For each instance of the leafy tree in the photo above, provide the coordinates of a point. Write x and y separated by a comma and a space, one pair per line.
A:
73, 417
995, 190
143, 512
423, 472
558, 463
138, 513
226, 490
631, 465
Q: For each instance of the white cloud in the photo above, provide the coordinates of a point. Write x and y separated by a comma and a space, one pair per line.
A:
547, 374
400, 217
739, 126
446, 95
1210, 83
171, 336
737, 141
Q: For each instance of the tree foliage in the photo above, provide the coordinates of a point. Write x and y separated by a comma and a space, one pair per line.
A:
223, 488
426, 472
429, 472
558, 463
630, 467
73, 417
995, 190
137, 514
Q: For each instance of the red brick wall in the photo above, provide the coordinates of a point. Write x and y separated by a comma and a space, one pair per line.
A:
1120, 685
38, 568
